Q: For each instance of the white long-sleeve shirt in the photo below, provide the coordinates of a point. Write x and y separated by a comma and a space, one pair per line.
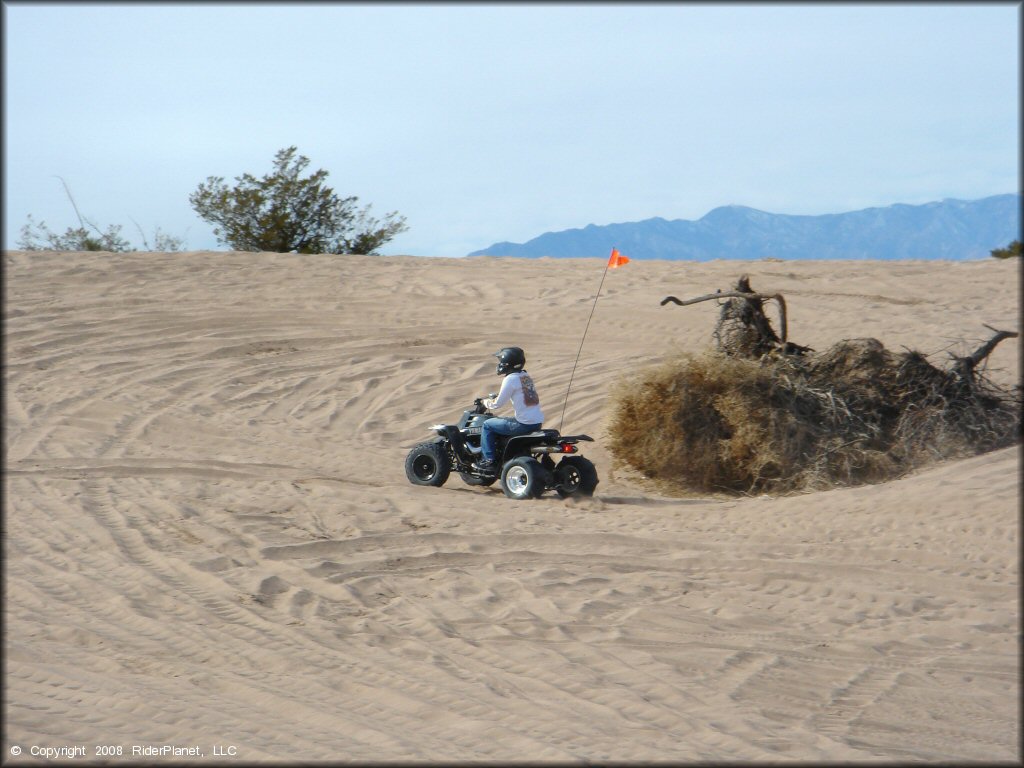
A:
518, 388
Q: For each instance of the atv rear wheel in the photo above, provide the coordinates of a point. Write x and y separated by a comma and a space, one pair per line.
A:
575, 476
523, 478
428, 464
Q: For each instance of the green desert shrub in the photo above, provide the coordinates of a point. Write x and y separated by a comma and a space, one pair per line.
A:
1010, 251
285, 212
37, 236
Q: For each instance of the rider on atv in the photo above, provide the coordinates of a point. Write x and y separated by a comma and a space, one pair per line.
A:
517, 387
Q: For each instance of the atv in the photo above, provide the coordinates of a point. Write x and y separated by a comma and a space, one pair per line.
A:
526, 465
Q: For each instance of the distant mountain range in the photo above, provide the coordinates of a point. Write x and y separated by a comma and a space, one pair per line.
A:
950, 229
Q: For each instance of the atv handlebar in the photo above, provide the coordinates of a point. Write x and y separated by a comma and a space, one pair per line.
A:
478, 404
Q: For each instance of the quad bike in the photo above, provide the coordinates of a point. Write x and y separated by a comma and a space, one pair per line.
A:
526, 464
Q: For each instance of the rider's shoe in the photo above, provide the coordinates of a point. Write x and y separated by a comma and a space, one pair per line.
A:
490, 466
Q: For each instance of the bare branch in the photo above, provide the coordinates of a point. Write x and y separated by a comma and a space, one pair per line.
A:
67, 191
142, 234
965, 365
739, 295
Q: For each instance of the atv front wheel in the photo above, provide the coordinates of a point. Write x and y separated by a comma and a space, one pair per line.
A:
427, 464
575, 476
523, 478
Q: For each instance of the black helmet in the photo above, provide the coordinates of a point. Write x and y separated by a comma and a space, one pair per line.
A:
510, 359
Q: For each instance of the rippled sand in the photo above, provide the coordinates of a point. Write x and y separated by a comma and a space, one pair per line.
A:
210, 540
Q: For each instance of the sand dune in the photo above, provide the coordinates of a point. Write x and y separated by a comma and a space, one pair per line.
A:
210, 540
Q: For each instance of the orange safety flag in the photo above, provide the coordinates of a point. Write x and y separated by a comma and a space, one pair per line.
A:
616, 259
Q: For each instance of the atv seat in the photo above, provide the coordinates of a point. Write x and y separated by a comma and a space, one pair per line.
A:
545, 433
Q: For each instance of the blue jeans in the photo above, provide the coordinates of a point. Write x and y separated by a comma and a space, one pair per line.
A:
501, 426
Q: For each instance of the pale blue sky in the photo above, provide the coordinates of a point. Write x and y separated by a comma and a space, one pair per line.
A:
490, 122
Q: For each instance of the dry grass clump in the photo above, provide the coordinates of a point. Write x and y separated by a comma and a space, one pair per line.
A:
856, 413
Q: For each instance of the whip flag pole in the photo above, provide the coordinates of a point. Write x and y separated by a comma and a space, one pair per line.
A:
615, 260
